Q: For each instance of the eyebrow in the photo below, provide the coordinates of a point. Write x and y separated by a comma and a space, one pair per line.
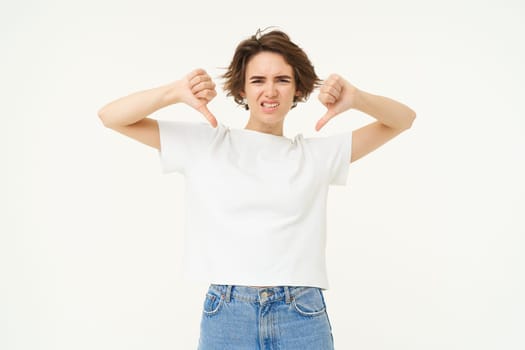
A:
253, 77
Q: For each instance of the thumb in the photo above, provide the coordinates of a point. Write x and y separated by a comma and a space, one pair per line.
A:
321, 122
205, 111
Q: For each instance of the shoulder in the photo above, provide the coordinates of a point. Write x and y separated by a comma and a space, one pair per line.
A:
187, 128
325, 140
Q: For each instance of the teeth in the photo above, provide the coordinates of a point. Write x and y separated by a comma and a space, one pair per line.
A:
270, 105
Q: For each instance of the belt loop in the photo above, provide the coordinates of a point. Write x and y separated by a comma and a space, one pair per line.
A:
287, 294
228, 293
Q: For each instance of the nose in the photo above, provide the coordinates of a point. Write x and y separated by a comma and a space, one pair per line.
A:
270, 90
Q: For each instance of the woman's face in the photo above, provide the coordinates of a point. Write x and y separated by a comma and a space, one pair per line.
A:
269, 87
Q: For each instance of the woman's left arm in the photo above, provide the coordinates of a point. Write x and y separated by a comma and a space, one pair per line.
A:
392, 117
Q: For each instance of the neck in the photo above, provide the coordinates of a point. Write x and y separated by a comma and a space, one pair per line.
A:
274, 129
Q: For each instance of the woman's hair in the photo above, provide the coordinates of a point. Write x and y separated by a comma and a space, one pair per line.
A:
306, 80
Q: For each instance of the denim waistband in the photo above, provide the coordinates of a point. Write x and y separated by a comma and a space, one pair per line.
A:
259, 294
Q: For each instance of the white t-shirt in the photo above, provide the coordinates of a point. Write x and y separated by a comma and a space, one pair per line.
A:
256, 202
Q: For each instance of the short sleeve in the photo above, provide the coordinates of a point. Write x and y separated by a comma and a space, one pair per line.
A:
332, 153
181, 142
340, 164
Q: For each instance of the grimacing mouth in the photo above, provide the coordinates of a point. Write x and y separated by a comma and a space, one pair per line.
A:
270, 105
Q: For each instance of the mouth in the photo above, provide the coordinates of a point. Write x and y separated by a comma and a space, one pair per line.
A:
270, 105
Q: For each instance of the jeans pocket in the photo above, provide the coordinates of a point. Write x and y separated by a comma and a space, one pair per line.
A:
212, 303
309, 302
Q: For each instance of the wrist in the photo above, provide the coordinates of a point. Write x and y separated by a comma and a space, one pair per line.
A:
359, 100
170, 93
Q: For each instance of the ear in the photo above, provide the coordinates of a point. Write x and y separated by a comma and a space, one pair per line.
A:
243, 95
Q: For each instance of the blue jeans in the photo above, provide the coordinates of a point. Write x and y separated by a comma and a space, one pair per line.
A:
248, 318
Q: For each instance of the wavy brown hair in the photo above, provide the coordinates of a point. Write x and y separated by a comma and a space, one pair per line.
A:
306, 80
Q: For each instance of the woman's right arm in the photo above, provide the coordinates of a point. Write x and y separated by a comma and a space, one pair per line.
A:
128, 115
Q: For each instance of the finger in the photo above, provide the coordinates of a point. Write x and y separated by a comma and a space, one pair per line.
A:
335, 80
327, 99
199, 79
194, 73
205, 85
194, 76
211, 118
319, 125
332, 86
321, 122
198, 76
207, 95
330, 92
333, 90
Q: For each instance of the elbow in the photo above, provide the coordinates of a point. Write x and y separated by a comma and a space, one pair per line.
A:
409, 120
103, 116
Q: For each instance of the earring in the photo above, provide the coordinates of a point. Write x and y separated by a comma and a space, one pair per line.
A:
245, 103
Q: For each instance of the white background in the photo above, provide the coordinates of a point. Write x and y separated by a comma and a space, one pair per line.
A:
425, 242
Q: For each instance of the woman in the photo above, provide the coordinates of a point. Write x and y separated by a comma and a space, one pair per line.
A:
256, 215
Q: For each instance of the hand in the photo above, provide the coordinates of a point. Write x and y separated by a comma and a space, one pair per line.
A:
196, 91
337, 95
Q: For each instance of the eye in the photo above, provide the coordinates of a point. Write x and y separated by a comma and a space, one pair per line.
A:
256, 81
284, 80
